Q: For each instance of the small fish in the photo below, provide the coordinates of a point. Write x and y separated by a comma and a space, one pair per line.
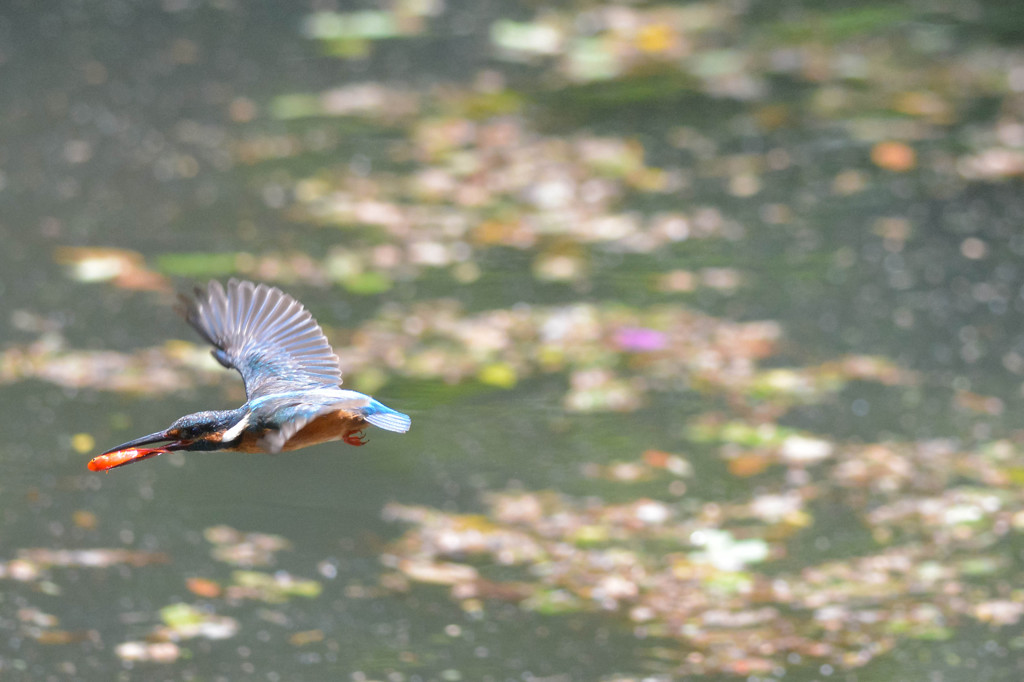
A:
119, 458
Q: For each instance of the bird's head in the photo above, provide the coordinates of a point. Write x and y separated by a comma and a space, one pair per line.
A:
198, 431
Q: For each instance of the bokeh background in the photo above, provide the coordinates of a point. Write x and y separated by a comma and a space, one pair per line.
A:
707, 315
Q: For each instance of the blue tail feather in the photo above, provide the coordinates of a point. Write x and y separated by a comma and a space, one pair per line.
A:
384, 417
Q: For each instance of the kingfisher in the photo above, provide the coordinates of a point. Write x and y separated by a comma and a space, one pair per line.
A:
292, 381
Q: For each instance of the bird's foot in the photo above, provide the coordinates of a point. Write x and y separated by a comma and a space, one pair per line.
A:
356, 438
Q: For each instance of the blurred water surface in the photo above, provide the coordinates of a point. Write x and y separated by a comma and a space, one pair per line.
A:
512, 222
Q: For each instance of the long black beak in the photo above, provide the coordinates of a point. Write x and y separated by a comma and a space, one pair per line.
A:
152, 438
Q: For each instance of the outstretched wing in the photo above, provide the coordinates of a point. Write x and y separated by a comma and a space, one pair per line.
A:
268, 336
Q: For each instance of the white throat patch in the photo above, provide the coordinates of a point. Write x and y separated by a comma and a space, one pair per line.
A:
236, 430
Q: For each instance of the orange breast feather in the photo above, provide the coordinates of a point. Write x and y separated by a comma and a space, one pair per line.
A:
327, 427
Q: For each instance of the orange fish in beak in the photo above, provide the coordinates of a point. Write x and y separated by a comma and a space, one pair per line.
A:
118, 458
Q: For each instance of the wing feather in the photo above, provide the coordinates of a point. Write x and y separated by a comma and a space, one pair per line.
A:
265, 334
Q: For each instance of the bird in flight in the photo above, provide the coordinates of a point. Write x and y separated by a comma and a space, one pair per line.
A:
292, 382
